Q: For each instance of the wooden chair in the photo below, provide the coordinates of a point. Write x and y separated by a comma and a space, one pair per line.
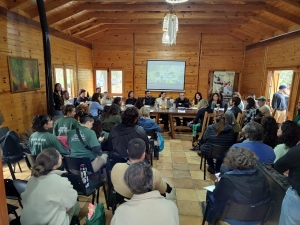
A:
240, 118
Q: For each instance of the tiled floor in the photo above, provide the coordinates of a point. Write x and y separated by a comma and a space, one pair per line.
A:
178, 166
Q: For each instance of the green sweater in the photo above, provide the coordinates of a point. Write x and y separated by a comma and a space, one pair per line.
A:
39, 141
63, 125
111, 121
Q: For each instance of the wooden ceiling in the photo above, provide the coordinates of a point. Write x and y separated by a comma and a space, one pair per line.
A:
247, 20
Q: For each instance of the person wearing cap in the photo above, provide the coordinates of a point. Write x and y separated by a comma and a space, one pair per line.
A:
279, 105
264, 109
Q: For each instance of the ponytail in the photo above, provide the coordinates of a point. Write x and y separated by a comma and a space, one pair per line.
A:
67, 109
221, 123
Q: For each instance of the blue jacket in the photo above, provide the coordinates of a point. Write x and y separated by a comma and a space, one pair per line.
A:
148, 124
279, 101
94, 107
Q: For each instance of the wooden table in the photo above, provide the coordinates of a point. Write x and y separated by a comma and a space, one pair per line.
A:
172, 113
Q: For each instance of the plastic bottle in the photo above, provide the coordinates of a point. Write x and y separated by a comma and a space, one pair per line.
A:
84, 176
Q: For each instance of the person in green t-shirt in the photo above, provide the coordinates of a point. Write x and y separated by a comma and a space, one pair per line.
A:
42, 139
63, 125
88, 136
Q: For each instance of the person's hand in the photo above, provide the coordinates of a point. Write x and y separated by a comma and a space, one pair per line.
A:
217, 105
101, 139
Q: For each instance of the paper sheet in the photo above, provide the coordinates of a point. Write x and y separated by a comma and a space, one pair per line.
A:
210, 188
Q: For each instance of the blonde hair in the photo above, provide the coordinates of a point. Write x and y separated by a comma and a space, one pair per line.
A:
144, 111
203, 103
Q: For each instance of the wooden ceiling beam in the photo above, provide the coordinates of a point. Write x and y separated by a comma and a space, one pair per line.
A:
246, 31
293, 3
12, 4
263, 31
236, 33
270, 23
282, 14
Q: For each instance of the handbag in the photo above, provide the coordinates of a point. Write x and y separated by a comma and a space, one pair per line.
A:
98, 218
82, 142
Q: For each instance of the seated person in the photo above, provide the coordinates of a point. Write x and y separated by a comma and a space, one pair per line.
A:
112, 117
220, 133
253, 133
117, 101
48, 197
139, 178
122, 133
297, 118
234, 104
95, 107
232, 122
270, 128
182, 101
98, 90
79, 147
241, 105
250, 111
140, 103
136, 152
97, 128
202, 108
243, 184
106, 99
81, 98
264, 109
163, 100
146, 122
42, 139
63, 125
289, 209
196, 100
288, 137
66, 97
216, 101
130, 100
149, 100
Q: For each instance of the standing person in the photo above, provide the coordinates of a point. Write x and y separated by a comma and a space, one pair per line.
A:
66, 97
95, 106
250, 111
58, 99
182, 101
149, 100
197, 99
291, 203
279, 105
216, 101
48, 197
81, 98
63, 125
130, 100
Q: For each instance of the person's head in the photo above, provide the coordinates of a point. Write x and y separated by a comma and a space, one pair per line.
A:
236, 94
96, 97
42, 123
181, 96
220, 119
163, 94
229, 118
86, 119
144, 112
251, 103
216, 97
82, 107
105, 94
65, 95
235, 101
98, 90
49, 159
140, 103
269, 123
197, 97
97, 127
288, 133
203, 103
253, 131
261, 101
240, 158
82, 93
57, 87
282, 88
69, 110
139, 178
117, 101
251, 96
113, 110
136, 149
130, 116
147, 94
130, 94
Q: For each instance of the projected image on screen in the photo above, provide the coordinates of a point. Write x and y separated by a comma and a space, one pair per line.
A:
165, 75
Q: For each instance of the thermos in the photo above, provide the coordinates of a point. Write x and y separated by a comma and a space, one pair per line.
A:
84, 176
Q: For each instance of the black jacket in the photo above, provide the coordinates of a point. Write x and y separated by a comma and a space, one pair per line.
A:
182, 103
131, 101
200, 114
236, 110
120, 135
149, 101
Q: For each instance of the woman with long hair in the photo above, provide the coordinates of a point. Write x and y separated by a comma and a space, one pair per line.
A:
117, 101
216, 101
58, 99
95, 106
237, 94
41, 138
250, 111
130, 100
49, 198
288, 137
196, 99
140, 103
63, 125
270, 128
112, 117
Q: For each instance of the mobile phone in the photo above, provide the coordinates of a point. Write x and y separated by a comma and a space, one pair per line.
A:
101, 135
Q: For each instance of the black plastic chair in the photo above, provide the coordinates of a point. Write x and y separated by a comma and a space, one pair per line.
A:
14, 188
153, 145
30, 160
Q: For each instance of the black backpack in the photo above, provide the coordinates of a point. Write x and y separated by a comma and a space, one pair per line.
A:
10, 144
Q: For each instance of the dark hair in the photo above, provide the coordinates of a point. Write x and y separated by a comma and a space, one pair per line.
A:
55, 90
81, 91
136, 148
64, 92
45, 162
270, 128
117, 100
139, 103
221, 123
290, 134
195, 99
38, 122
162, 93
68, 109
236, 101
129, 116
216, 93
97, 127
146, 91
114, 109
240, 158
129, 93
95, 97
251, 103
84, 117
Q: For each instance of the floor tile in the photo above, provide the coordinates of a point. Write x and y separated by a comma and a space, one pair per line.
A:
194, 167
189, 208
201, 195
166, 173
186, 194
178, 159
189, 220
169, 180
180, 166
164, 165
181, 174
183, 183
178, 154
197, 175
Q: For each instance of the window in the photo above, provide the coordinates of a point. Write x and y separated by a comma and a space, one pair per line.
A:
110, 80
65, 76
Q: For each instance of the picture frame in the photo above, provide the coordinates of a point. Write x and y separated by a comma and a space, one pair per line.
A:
23, 74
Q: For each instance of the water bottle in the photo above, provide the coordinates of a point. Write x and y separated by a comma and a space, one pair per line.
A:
84, 176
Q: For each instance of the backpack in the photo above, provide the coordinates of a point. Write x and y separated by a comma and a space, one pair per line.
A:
160, 142
10, 144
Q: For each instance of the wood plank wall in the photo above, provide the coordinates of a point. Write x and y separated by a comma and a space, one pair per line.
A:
202, 53
21, 41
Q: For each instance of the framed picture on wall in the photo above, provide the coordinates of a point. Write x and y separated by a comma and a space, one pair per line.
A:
23, 74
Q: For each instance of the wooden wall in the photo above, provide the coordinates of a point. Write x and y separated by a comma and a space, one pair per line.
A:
202, 53
21, 41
